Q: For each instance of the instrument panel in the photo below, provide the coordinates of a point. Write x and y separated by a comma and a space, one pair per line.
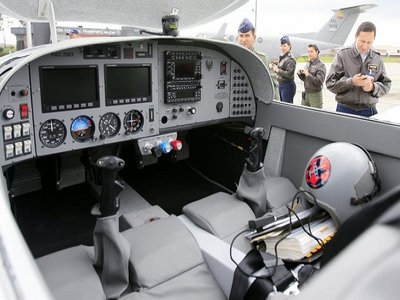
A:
99, 94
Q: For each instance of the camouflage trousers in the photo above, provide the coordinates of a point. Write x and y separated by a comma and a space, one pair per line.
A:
312, 99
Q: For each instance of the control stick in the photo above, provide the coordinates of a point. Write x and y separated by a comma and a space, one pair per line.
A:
109, 201
253, 162
112, 250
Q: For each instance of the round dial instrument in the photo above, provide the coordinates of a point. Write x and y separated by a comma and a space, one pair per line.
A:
82, 129
109, 125
52, 133
133, 121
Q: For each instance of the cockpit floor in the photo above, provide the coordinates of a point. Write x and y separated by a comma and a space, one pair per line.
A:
54, 220
169, 185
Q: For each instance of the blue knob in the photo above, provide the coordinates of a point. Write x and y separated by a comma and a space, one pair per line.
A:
165, 147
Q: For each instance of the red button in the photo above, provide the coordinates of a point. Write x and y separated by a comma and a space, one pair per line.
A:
24, 111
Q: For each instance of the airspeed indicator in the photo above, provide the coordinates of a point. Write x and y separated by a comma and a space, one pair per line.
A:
52, 133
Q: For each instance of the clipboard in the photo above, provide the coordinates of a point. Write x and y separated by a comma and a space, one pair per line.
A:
283, 224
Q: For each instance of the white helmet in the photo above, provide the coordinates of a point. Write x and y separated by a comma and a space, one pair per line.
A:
341, 177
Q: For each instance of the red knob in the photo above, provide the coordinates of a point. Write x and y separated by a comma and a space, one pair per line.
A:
176, 145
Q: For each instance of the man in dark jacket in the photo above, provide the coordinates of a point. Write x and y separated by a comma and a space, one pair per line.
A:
313, 76
357, 75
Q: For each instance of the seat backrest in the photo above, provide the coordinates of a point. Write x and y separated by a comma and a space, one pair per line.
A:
69, 274
168, 263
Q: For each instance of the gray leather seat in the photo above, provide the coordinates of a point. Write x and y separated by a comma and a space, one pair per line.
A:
226, 215
168, 263
165, 262
69, 274
222, 215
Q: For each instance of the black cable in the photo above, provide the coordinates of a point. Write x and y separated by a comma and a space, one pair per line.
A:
234, 145
229, 191
151, 32
270, 273
317, 239
291, 211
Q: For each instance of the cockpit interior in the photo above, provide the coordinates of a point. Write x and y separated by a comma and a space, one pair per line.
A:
173, 110
133, 130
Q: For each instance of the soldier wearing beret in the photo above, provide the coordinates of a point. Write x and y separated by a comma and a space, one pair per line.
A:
246, 37
73, 33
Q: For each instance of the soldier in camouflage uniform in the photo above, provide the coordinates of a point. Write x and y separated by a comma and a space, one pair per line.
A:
313, 76
246, 38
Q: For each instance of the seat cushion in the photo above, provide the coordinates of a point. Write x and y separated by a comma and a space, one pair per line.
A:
69, 274
220, 214
162, 249
194, 284
146, 215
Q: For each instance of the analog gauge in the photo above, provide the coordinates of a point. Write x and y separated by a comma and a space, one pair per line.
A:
52, 133
82, 129
133, 121
109, 125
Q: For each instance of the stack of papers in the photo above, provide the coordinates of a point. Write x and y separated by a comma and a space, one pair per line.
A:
297, 244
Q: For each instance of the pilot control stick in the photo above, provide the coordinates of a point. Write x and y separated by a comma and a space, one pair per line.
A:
109, 201
112, 250
253, 162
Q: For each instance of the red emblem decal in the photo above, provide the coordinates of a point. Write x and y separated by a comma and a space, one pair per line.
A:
318, 172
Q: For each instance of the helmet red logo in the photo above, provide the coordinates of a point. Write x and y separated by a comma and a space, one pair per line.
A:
318, 172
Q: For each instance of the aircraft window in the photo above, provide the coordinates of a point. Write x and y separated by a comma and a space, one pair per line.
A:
388, 105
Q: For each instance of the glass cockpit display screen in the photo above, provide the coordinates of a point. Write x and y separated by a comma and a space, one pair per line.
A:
72, 87
127, 84
184, 69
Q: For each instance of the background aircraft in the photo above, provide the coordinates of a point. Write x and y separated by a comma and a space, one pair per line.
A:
332, 35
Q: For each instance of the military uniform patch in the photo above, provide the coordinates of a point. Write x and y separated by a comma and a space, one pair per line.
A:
372, 68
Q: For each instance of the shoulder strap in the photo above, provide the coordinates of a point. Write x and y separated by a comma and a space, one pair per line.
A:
278, 277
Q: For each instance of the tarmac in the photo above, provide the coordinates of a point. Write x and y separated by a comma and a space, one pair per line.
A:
390, 100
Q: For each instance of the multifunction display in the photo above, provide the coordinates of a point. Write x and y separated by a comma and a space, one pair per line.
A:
182, 76
69, 87
127, 84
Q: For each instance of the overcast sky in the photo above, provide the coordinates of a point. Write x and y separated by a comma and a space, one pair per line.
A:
295, 16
